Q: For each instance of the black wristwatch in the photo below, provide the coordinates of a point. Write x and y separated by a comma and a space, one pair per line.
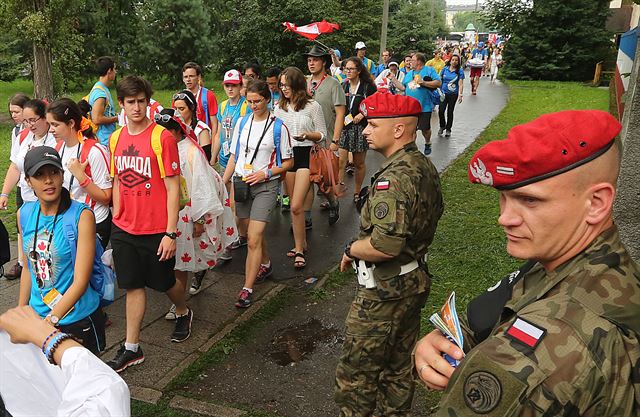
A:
172, 235
347, 249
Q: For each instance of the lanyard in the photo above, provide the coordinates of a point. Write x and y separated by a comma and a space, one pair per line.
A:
314, 88
267, 123
34, 255
77, 157
353, 96
235, 112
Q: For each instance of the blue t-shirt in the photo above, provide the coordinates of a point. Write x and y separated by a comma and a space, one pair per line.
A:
450, 80
370, 66
422, 94
104, 131
58, 273
275, 97
227, 121
479, 54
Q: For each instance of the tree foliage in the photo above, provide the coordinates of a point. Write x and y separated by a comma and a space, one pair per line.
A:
415, 24
559, 40
506, 15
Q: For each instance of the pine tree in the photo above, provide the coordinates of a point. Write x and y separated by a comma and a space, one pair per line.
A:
559, 40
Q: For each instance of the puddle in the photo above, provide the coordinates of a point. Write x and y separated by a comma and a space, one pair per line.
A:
294, 343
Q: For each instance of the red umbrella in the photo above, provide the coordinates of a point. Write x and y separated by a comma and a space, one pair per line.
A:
312, 30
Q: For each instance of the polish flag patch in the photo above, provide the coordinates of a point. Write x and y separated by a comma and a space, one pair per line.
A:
526, 333
382, 185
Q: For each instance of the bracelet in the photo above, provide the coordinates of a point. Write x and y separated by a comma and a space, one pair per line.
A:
4, 195
85, 182
269, 174
47, 339
53, 345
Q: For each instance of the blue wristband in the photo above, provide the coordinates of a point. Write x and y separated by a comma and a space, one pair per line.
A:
270, 173
52, 343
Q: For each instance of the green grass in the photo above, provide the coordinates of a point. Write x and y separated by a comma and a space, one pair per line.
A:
7, 89
468, 253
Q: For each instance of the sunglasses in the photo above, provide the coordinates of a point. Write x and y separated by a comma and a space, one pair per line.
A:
182, 96
34, 256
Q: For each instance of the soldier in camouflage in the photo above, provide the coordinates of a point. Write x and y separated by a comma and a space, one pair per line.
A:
560, 336
397, 224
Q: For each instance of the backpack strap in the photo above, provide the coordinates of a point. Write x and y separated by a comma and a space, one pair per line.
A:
243, 107
156, 145
23, 135
205, 104
70, 225
277, 136
113, 143
243, 122
26, 210
59, 145
223, 106
87, 145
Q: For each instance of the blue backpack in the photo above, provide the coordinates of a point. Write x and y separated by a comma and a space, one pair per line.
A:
102, 277
277, 133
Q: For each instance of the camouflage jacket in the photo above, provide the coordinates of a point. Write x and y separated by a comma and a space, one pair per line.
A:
565, 343
402, 210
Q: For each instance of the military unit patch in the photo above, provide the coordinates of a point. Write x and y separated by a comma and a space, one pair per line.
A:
381, 210
382, 185
526, 333
482, 392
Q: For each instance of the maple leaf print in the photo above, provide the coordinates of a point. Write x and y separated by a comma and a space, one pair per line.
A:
211, 263
186, 258
178, 233
131, 151
185, 218
203, 245
227, 203
230, 231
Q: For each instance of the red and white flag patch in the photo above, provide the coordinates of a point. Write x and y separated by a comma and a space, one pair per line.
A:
382, 185
525, 332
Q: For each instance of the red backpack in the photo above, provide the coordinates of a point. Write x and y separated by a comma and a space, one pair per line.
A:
87, 144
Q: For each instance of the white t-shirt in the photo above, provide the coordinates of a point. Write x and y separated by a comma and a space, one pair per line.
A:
15, 142
199, 128
152, 110
309, 119
99, 164
266, 156
28, 143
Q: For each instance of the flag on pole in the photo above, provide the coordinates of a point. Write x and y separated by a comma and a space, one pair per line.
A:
312, 30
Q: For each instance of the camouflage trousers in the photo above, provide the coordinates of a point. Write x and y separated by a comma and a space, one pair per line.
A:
374, 371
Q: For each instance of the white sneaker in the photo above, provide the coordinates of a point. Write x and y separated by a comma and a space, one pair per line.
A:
171, 314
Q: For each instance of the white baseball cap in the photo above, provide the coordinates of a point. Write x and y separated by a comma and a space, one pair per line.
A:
232, 77
360, 45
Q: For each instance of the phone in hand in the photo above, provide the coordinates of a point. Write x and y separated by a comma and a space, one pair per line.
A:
299, 137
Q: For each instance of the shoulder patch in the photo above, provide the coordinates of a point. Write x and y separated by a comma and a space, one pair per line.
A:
525, 332
382, 185
381, 210
482, 392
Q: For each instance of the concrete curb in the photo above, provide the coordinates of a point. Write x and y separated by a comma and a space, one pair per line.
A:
204, 408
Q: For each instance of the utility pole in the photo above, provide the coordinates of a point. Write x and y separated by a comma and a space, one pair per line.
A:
476, 5
385, 24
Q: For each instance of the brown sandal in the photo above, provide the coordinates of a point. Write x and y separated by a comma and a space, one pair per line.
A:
299, 264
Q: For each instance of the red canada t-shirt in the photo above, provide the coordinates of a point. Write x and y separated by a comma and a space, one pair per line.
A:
143, 196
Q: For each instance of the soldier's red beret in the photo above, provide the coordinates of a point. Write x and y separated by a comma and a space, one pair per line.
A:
385, 105
547, 146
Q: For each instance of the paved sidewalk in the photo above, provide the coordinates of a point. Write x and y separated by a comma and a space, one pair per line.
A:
214, 314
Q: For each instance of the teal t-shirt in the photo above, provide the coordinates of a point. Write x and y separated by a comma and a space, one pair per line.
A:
104, 131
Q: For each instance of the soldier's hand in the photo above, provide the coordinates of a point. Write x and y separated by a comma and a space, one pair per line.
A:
345, 263
432, 368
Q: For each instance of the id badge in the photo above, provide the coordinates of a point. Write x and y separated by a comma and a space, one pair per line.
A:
348, 119
52, 298
247, 170
226, 151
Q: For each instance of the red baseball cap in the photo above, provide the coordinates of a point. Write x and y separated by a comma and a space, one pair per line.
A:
386, 105
547, 146
232, 77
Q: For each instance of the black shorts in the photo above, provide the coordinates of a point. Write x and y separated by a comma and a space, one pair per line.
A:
89, 331
301, 157
103, 230
19, 200
424, 121
137, 264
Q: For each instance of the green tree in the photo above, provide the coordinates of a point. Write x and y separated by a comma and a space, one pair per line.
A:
414, 25
462, 19
12, 57
559, 40
175, 31
50, 25
505, 15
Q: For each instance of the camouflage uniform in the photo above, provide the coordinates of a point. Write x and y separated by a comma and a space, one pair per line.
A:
587, 363
400, 216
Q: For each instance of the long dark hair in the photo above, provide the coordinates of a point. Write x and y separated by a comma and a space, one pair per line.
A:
459, 62
364, 74
192, 104
298, 85
65, 110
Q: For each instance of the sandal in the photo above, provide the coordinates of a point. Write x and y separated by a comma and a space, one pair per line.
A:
325, 205
292, 253
297, 263
356, 198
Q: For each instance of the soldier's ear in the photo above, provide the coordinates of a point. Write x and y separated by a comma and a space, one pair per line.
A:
600, 202
398, 130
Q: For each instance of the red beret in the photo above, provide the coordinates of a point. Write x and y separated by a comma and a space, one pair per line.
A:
549, 145
385, 105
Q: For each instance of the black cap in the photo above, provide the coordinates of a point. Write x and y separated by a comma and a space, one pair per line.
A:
317, 50
40, 156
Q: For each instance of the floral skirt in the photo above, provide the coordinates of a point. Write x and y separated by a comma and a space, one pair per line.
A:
352, 140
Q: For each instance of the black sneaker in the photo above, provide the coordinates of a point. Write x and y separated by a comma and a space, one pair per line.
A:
196, 284
334, 212
238, 243
14, 272
440, 131
244, 299
264, 272
447, 134
183, 327
350, 169
308, 224
126, 358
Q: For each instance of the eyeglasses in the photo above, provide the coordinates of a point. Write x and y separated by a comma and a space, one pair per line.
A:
284, 86
31, 121
163, 117
182, 96
255, 102
350, 69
